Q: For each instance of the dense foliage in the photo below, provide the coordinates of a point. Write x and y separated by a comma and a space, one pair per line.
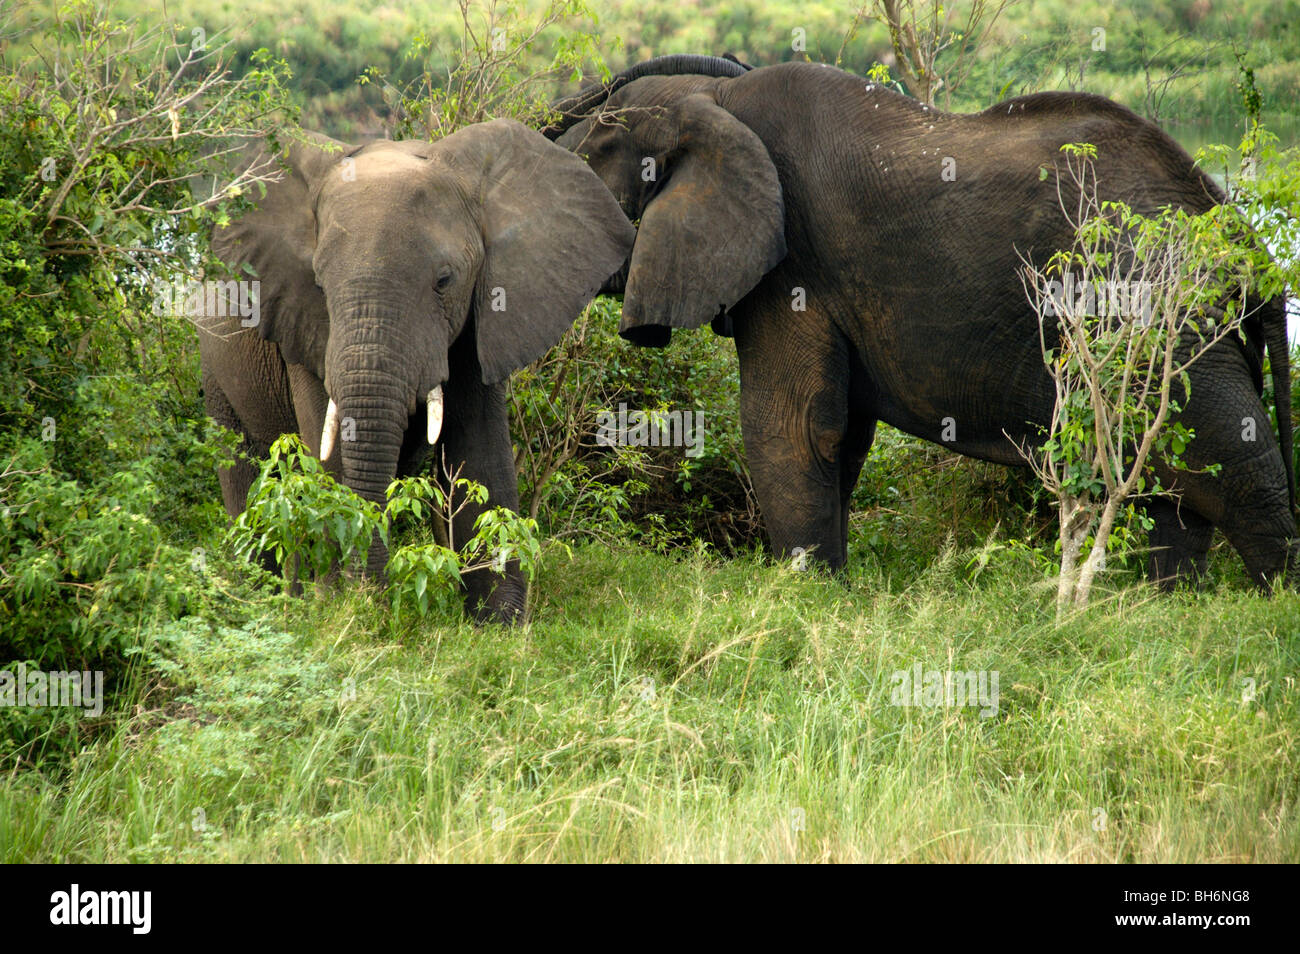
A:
1047, 44
107, 502
116, 554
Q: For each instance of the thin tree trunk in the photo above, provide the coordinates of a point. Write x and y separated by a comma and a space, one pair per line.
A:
1097, 555
1074, 530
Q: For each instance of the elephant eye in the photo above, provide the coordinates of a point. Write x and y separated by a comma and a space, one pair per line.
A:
444, 278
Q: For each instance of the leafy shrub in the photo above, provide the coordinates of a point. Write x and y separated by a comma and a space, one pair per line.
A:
81, 562
577, 485
301, 518
107, 489
88, 574
309, 524
426, 568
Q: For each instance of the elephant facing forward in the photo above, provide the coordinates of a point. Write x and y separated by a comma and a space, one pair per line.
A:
864, 251
400, 285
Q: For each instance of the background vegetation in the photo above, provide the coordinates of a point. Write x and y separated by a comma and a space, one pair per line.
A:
1046, 44
677, 695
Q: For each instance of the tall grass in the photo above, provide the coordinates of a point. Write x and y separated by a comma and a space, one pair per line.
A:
662, 709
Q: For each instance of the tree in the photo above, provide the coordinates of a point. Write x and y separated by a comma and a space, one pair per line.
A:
925, 32
490, 76
105, 125
1123, 314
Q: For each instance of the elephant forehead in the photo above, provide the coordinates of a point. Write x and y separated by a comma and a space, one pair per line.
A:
390, 181
383, 164
410, 159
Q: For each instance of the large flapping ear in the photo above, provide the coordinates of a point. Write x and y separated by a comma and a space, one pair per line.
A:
715, 226
275, 240
552, 233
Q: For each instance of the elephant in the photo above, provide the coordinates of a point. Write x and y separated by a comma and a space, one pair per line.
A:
400, 284
863, 250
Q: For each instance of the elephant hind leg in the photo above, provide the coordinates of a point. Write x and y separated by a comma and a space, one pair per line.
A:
236, 479
1180, 543
1248, 496
246, 389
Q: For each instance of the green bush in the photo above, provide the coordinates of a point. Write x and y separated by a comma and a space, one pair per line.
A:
575, 485
309, 524
89, 572
108, 498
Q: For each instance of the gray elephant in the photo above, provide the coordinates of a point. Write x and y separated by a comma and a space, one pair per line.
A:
400, 285
897, 229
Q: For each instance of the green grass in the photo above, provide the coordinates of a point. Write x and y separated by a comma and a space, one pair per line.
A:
328, 45
692, 709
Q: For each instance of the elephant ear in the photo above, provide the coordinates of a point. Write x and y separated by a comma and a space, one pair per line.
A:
552, 234
273, 242
715, 226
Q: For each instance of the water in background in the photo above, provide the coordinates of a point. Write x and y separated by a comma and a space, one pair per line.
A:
1192, 136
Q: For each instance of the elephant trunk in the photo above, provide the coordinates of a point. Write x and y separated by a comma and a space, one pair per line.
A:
376, 378
374, 414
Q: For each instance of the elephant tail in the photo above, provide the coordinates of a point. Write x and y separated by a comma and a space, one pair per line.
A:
1279, 359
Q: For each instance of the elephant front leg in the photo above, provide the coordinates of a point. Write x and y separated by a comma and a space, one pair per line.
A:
476, 442
1180, 541
803, 453
264, 412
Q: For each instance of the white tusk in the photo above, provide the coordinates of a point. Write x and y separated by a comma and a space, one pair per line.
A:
329, 431
435, 414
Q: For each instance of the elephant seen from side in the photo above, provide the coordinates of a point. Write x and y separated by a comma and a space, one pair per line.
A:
864, 251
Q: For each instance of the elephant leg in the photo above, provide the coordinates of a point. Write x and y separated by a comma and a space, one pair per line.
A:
236, 479
246, 390
1180, 543
1248, 499
476, 442
794, 415
858, 438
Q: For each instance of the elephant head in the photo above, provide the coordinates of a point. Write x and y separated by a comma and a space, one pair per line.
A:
704, 191
372, 260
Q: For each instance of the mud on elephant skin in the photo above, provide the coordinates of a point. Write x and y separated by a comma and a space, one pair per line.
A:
898, 228
400, 285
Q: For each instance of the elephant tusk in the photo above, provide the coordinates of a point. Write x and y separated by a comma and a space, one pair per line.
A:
328, 433
435, 414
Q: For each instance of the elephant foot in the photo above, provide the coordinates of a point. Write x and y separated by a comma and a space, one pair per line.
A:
484, 613
1180, 545
1280, 565
493, 598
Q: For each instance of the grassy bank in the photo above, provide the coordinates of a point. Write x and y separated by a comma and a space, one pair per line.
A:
1048, 44
662, 709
